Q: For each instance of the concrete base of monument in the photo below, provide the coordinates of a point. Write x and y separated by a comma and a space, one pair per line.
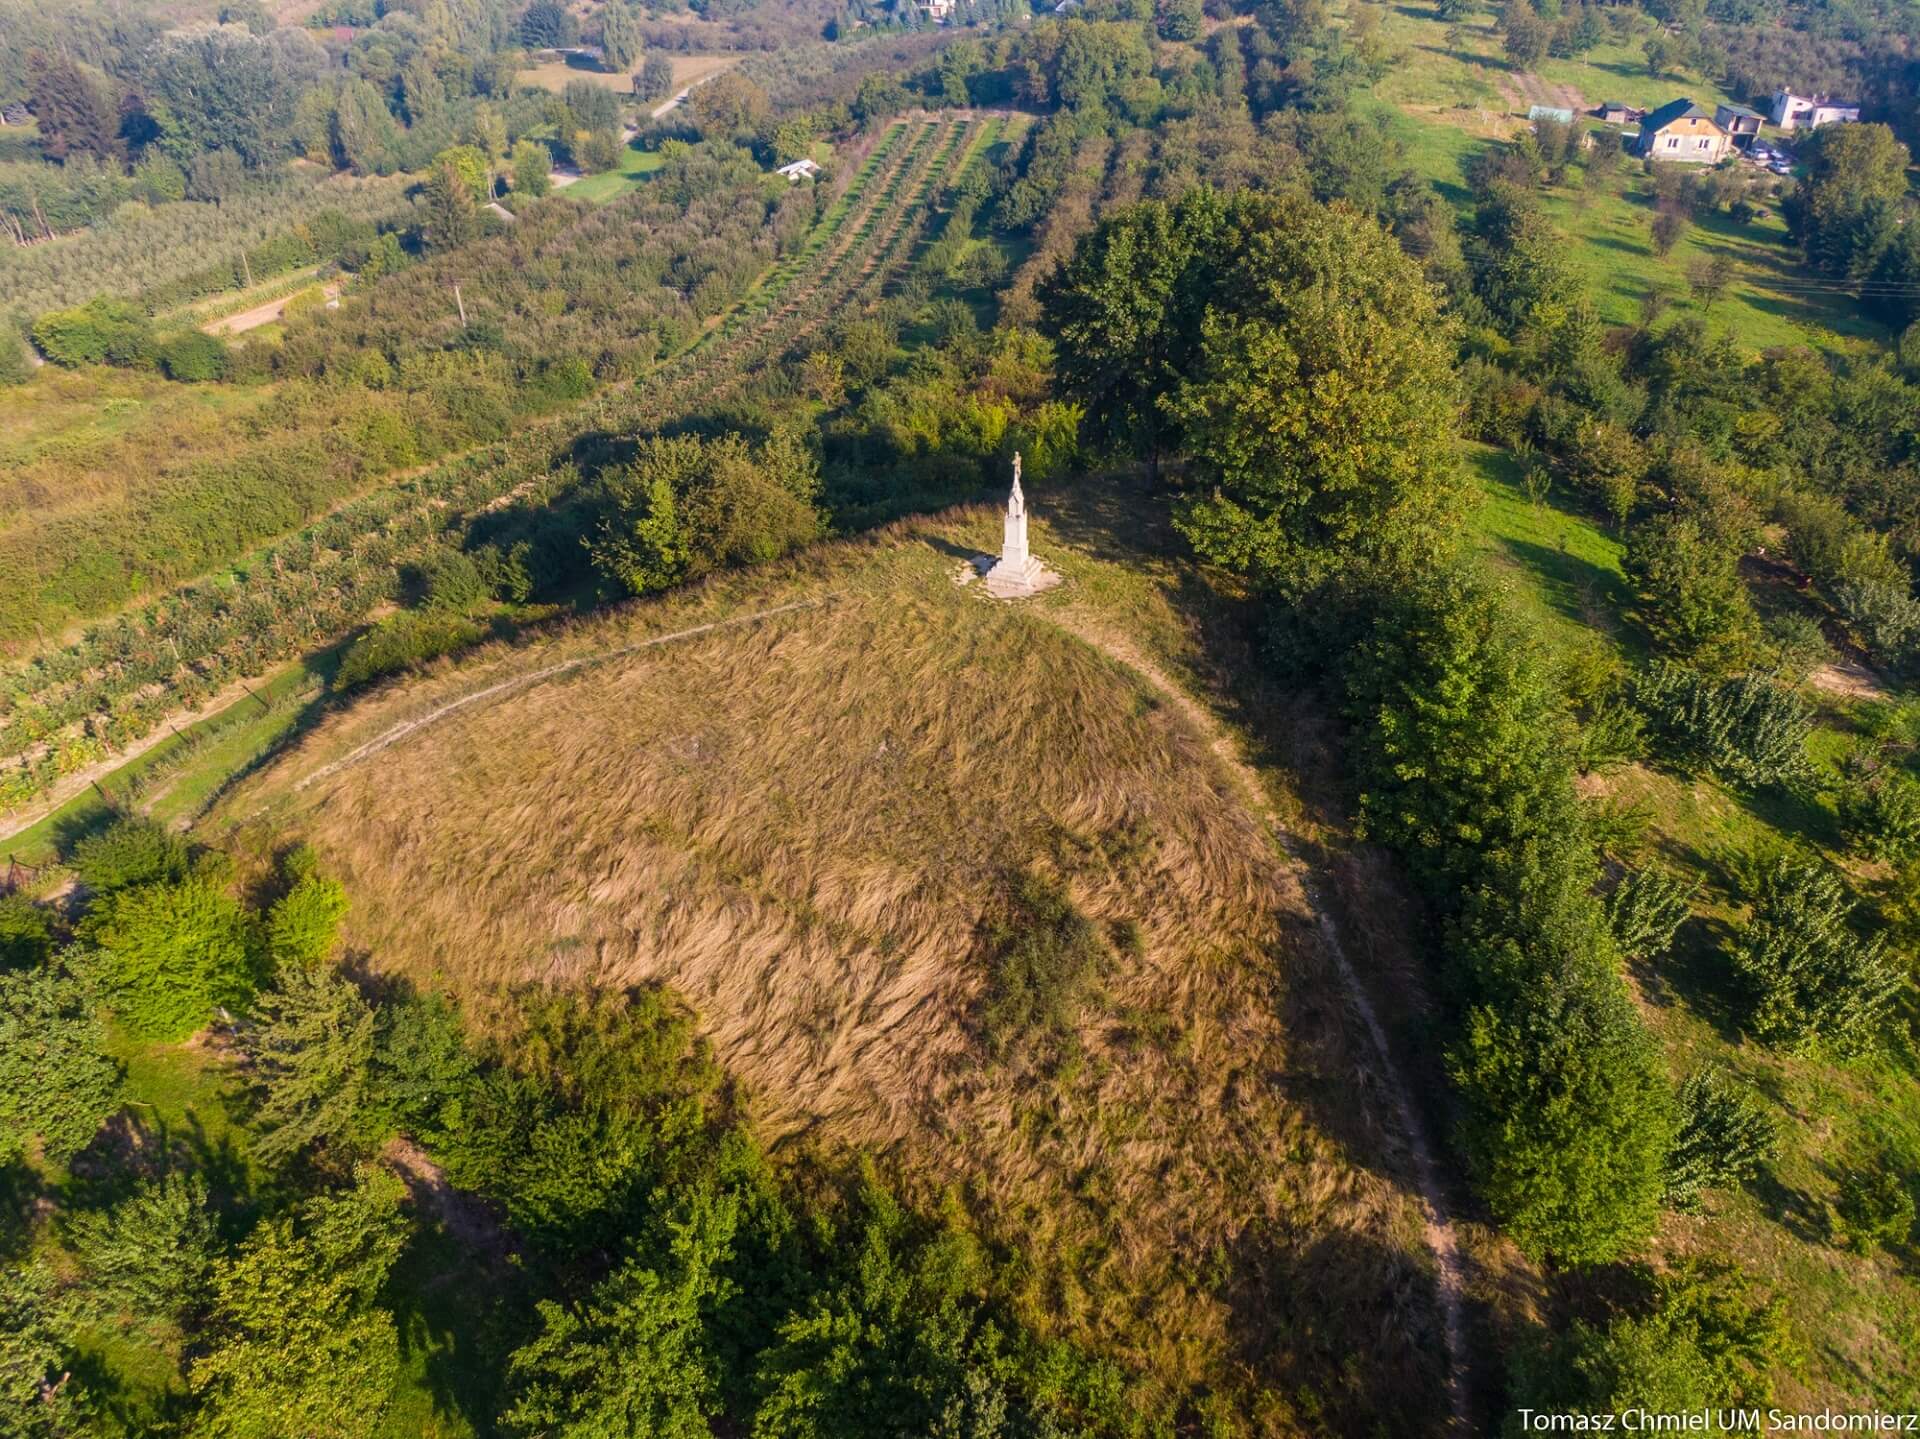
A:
1004, 582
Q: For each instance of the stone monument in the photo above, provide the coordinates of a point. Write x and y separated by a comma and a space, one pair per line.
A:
1017, 572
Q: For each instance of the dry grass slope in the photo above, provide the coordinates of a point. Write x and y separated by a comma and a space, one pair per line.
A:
804, 824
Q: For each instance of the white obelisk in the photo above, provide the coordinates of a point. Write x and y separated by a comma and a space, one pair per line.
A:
1017, 572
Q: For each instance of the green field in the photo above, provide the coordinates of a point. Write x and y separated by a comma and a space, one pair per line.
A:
635, 165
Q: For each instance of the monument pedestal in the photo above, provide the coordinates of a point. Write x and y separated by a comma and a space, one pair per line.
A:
1017, 573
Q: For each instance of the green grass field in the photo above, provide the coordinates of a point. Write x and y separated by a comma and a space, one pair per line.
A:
635, 165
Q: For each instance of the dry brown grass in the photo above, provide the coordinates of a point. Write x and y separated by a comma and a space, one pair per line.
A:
802, 825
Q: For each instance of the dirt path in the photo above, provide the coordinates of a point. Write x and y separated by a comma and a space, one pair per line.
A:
263, 314
1441, 1240
674, 103
434, 716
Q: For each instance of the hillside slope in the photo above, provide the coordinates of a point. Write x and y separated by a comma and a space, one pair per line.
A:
811, 822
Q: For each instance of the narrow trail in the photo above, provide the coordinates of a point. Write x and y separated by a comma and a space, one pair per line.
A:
400, 731
1441, 1239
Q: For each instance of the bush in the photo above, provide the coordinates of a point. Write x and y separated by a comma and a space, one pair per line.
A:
1647, 909
1749, 729
26, 933
1724, 1136
401, 641
449, 581
56, 1081
174, 953
1881, 814
1874, 1208
1810, 980
131, 851
304, 924
194, 358
100, 332
1704, 1342
152, 1254
1044, 955
1882, 613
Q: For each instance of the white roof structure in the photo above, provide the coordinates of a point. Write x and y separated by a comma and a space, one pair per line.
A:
801, 169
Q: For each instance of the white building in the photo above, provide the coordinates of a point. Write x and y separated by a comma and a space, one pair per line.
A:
801, 169
1810, 112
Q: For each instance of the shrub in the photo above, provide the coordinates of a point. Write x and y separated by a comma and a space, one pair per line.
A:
1704, 1342
1810, 980
194, 358
56, 1080
1882, 613
1043, 956
1881, 814
1750, 729
100, 332
173, 954
401, 641
131, 851
304, 924
1693, 602
152, 1254
449, 581
311, 1051
1566, 1115
26, 933
1874, 1208
1647, 909
1724, 1136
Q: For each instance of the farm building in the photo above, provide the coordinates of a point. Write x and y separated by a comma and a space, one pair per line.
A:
801, 169
1741, 124
1810, 112
1614, 112
1680, 130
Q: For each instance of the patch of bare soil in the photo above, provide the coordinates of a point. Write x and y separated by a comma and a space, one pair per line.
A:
467, 1217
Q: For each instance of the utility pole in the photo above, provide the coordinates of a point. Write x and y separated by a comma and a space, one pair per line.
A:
462, 304
247, 267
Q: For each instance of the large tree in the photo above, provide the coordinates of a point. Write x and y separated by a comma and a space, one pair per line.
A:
1844, 208
74, 117
1321, 402
56, 1081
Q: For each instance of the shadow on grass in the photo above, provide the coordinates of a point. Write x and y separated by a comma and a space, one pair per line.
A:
459, 1320
1296, 1305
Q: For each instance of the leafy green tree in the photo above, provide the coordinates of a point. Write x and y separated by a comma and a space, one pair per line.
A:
151, 1256
423, 1069
1749, 729
1852, 176
469, 162
620, 40
57, 1082
726, 105
26, 933
194, 358
655, 80
547, 25
296, 1343
636, 1358
1646, 910
1468, 743
1875, 1207
1693, 603
1810, 980
304, 924
100, 332
532, 167
1125, 311
1705, 1342
1521, 265
645, 549
1320, 405
129, 852
1525, 35
40, 1398
363, 130
1567, 1118
1724, 1136
311, 1049
450, 217
173, 954
1180, 20
74, 118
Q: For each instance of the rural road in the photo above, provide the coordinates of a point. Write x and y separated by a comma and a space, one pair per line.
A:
265, 314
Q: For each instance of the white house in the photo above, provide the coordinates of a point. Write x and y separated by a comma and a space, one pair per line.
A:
1810, 112
801, 169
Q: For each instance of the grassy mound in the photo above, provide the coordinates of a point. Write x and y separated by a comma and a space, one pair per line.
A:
944, 881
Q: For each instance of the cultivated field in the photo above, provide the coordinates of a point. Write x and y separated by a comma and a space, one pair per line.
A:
808, 816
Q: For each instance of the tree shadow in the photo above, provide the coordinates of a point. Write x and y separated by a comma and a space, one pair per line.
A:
459, 1316
1345, 1328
